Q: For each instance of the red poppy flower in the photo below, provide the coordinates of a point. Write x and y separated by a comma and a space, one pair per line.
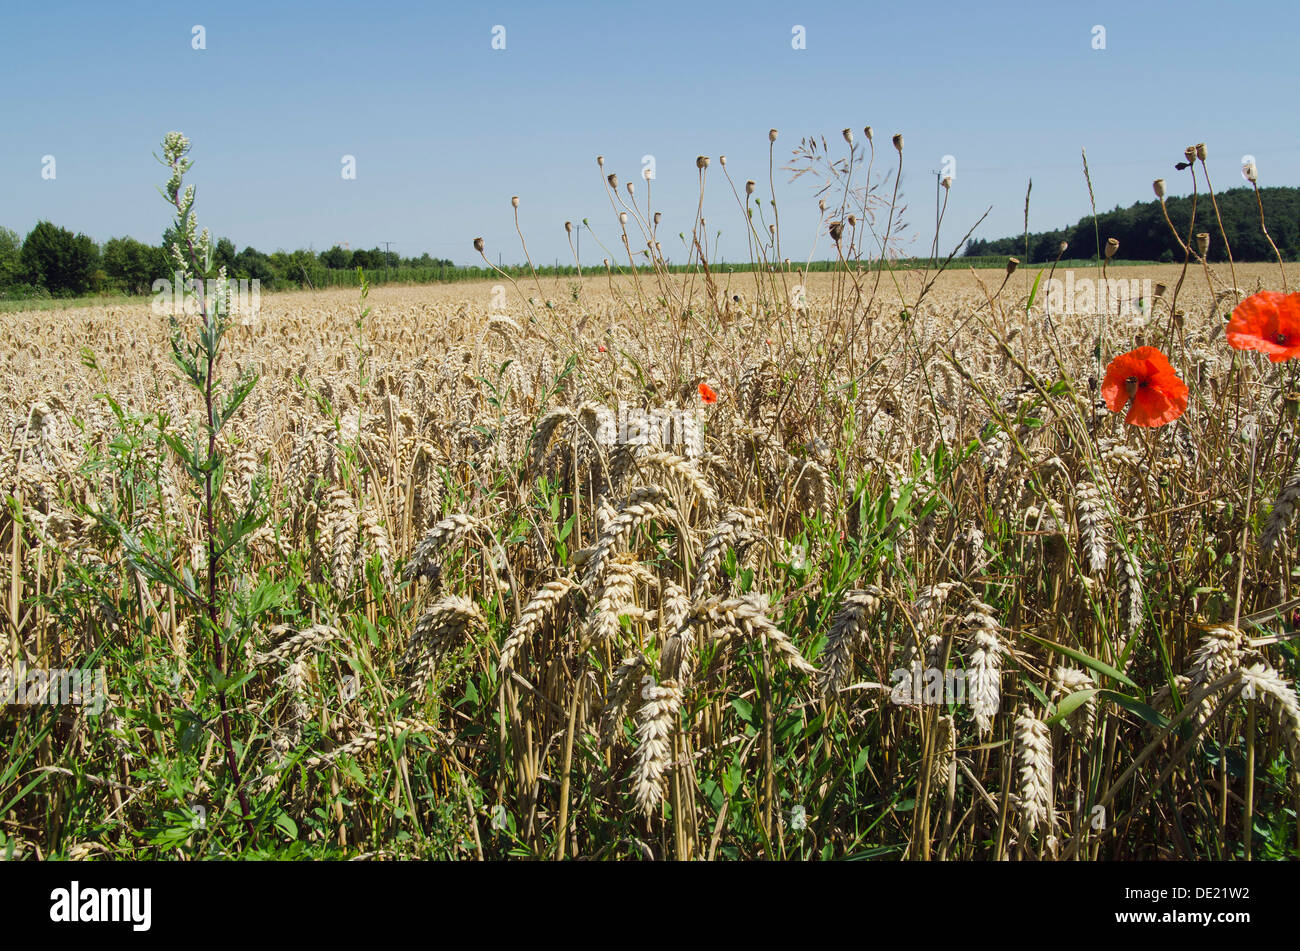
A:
1145, 382
1268, 322
707, 393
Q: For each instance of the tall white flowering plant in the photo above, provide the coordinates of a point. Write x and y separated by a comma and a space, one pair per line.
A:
224, 611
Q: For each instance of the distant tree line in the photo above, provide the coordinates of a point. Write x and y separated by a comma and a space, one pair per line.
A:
53, 262
1144, 235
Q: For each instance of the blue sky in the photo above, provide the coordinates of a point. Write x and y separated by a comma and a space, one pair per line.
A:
445, 129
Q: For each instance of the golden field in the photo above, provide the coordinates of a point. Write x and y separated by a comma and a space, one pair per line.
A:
476, 619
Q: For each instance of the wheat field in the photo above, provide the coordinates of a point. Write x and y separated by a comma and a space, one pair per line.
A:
630, 567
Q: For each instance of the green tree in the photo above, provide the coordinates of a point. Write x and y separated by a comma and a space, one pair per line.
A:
56, 259
223, 255
254, 265
1144, 234
133, 265
11, 247
336, 258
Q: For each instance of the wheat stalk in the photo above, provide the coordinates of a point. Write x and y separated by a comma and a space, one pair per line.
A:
1034, 749
656, 721
449, 620
847, 631
1283, 512
369, 740
984, 661
541, 609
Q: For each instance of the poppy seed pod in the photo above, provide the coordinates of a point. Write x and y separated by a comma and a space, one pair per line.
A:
898, 141
853, 221
821, 204
771, 229
613, 180
848, 136
629, 188
1200, 151
1112, 245
722, 160
1291, 404
622, 217
1160, 290
600, 160
568, 227
1012, 264
837, 231
701, 162
658, 217
478, 245
1064, 245
1190, 153
1202, 243
514, 201
946, 182
867, 132
749, 187
1158, 186
771, 135
1250, 172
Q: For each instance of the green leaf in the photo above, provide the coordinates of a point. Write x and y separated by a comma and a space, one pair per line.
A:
1071, 703
1033, 291
1091, 663
182, 451
904, 499
731, 779
1036, 691
286, 825
267, 595
236, 399
194, 729
1154, 717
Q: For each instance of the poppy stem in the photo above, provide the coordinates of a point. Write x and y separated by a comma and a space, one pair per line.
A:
1264, 226
1245, 528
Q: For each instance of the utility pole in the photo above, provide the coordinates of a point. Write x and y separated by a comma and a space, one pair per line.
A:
387, 258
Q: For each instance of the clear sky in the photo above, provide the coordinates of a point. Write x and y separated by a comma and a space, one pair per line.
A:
444, 128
